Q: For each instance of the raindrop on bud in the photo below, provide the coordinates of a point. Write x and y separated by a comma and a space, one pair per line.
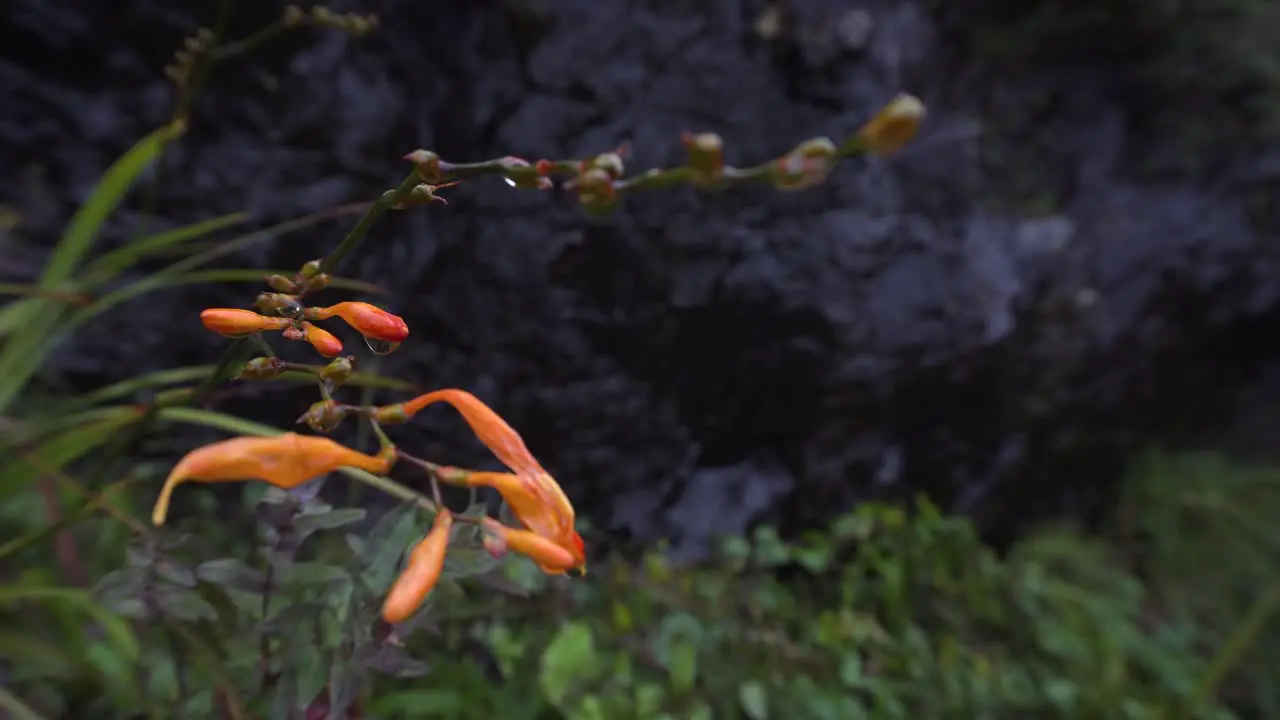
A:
381, 347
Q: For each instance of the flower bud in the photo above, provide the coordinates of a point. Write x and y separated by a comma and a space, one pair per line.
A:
323, 416
893, 127
281, 283
424, 194
322, 340
310, 269
262, 368
286, 306
595, 191
421, 572
427, 164
234, 322
317, 283
706, 156
807, 165
369, 320
336, 373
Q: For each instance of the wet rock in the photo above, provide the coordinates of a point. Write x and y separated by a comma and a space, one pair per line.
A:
994, 317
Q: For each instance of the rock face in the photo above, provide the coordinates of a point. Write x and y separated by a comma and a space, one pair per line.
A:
995, 317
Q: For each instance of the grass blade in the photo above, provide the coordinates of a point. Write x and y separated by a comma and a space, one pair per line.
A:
112, 263
110, 191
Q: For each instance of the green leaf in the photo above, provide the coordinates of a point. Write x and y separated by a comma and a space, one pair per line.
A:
326, 578
55, 453
232, 574
35, 321
386, 542
184, 604
114, 262
394, 661
106, 196
125, 582
328, 520
754, 700
15, 708
569, 660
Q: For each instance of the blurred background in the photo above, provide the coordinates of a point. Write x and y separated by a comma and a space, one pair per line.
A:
983, 429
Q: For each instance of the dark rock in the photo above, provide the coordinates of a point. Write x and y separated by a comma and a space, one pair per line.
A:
996, 317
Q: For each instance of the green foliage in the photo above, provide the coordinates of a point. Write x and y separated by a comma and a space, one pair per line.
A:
883, 615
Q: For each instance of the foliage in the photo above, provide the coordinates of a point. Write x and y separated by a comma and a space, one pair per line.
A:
280, 612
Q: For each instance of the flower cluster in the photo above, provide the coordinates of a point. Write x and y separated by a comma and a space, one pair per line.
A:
547, 532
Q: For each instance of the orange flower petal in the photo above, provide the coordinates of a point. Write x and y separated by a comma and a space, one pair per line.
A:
322, 340
285, 461
421, 572
370, 320
550, 557
234, 322
501, 439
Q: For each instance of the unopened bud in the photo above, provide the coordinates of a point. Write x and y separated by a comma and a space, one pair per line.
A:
807, 165
610, 162
262, 368
390, 414
323, 416
322, 340
280, 283
424, 194
706, 156
595, 191
317, 282
310, 269
337, 372
495, 545
893, 127
278, 304
427, 164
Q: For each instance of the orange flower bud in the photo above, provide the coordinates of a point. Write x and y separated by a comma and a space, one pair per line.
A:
368, 320
547, 555
894, 126
322, 340
285, 461
421, 572
234, 322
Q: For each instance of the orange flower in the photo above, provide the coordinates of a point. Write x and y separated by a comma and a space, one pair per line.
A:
533, 494
421, 572
285, 461
894, 126
542, 507
234, 323
369, 320
550, 557
322, 340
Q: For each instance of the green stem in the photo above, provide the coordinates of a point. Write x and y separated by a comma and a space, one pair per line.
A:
357, 233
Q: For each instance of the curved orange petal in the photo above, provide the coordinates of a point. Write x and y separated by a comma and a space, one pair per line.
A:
286, 461
501, 439
549, 556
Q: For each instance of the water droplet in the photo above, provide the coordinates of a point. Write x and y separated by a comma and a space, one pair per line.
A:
381, 347
509, 181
